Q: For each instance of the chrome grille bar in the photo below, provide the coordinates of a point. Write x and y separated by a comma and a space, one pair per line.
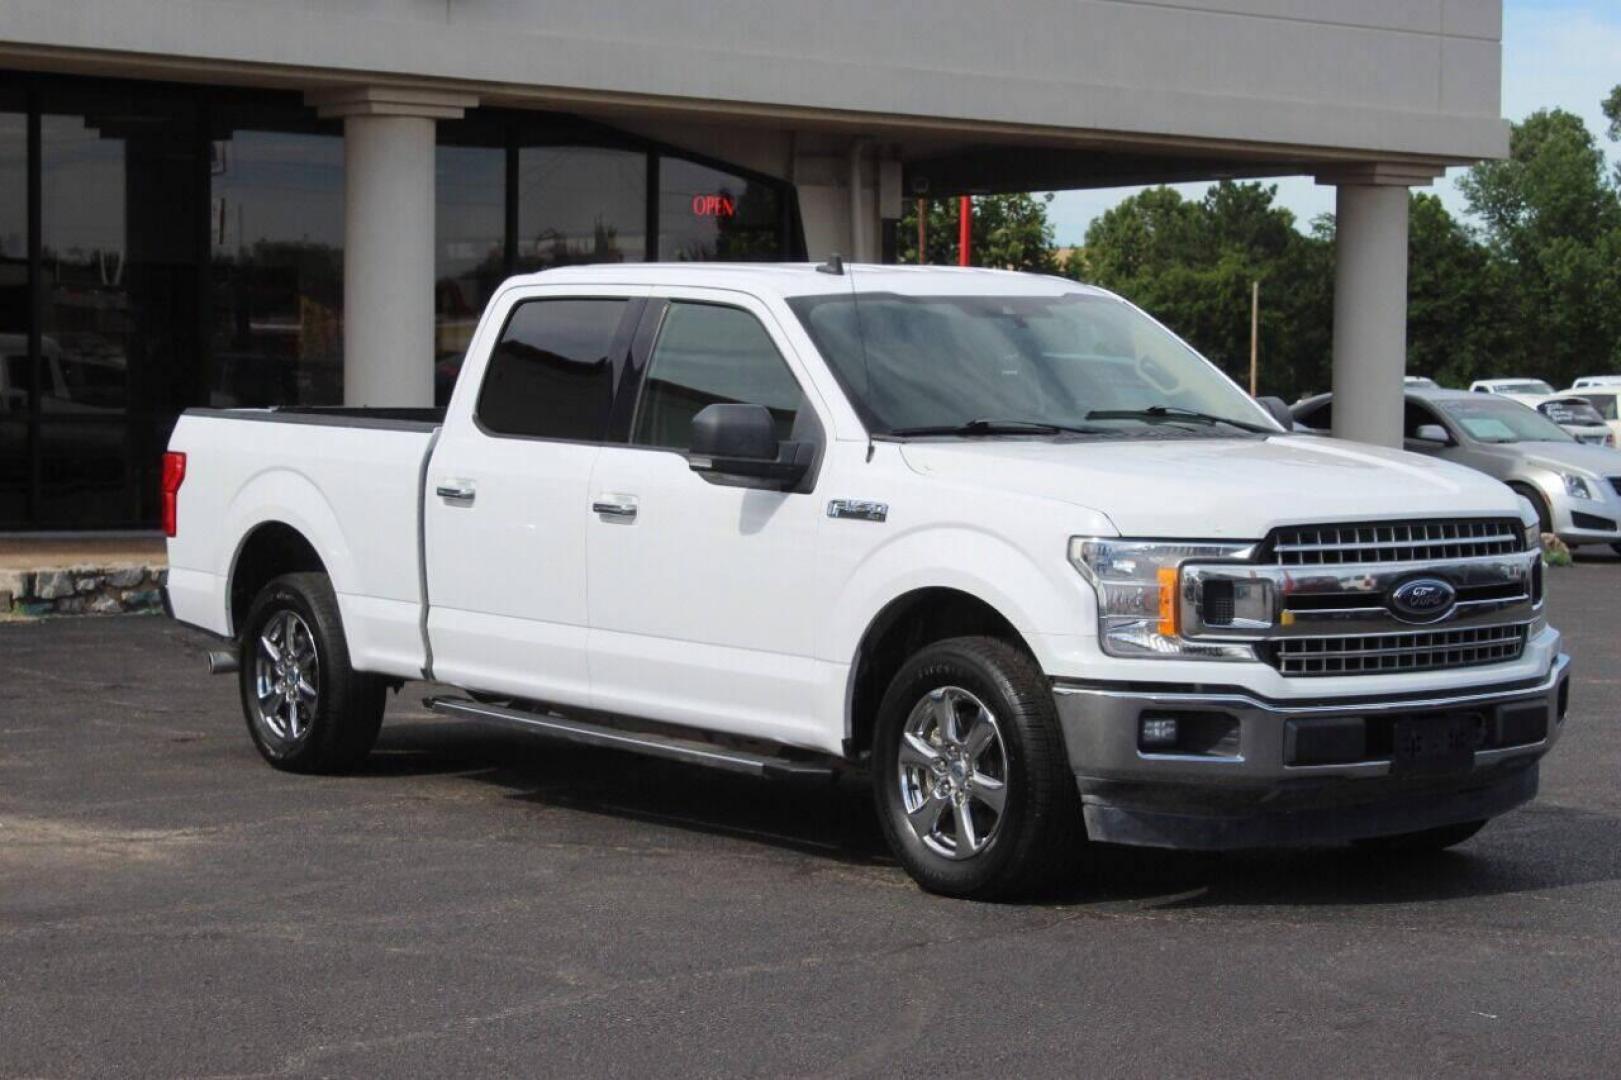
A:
1386, 653
1396, 541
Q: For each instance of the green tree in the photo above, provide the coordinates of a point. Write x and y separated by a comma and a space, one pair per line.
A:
1551, 217
1192, 265
1010, 232
1460, 325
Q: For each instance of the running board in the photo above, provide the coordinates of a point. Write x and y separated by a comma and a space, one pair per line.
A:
691, 751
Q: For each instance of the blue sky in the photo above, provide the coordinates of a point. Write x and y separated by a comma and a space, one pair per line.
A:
1564, 53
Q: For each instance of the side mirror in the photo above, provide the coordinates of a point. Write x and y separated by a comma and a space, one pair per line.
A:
740, 442
1279, 410
1433, 433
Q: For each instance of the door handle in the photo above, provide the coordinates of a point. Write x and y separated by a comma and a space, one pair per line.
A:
459, 491
618, 508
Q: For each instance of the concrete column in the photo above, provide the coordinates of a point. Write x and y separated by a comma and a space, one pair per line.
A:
388, 238
1370, 299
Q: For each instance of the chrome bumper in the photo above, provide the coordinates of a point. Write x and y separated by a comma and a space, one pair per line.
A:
1247, 793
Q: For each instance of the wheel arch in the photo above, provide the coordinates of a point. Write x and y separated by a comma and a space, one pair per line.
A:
907, 623
267, 551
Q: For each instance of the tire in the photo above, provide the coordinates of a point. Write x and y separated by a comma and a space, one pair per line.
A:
317, 715
1437, 839
1038, 834
1544, 517
1616, 548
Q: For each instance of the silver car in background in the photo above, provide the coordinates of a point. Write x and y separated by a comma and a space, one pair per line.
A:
1575, 487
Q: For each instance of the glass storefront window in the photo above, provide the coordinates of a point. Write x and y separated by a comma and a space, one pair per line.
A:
16, 372
707, 214
469, 250
276, 265
580, 204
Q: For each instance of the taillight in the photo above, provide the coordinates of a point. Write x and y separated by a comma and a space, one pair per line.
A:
174, 474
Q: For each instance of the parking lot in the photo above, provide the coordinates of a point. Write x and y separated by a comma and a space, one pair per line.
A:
479, 900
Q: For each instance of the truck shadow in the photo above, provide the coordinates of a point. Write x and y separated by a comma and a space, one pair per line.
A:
1537, 848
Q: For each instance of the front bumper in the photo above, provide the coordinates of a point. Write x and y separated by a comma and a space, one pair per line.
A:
1252, 792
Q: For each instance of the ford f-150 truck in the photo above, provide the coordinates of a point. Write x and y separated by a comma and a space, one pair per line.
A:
1004, 541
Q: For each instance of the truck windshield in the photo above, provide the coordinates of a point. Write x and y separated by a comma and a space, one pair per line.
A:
1074, 364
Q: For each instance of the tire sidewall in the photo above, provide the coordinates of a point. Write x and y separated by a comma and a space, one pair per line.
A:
935, 667
283, 595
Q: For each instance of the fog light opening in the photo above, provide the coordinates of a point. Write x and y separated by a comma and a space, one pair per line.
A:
1157, 733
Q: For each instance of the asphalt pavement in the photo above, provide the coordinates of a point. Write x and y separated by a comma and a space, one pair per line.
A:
482, 902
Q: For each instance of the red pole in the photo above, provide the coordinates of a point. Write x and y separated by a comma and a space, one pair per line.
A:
965, 231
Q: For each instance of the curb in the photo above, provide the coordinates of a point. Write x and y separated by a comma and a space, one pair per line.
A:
83, 590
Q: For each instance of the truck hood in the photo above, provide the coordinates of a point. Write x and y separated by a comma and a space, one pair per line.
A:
1218, 488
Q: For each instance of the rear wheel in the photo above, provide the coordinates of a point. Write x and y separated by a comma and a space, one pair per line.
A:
307, 710
1437, 839
973, 786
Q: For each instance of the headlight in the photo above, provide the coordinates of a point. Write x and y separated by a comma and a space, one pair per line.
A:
1137, 583
1576, 487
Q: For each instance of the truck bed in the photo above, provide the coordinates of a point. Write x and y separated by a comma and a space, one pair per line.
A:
350, 480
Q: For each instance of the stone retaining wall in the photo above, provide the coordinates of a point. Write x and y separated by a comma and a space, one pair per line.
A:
82, 590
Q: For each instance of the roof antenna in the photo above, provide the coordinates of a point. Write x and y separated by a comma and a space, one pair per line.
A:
834, 265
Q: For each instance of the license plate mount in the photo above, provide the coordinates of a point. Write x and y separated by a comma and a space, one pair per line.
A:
1437, 744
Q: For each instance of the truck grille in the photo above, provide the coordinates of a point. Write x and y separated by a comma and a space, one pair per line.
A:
1385, 653
1396, 541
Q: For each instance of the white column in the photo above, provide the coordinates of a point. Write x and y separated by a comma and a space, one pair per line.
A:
1370, 299
388, 238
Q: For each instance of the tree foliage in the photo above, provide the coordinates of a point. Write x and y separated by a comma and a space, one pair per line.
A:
1533, 289
1010, 232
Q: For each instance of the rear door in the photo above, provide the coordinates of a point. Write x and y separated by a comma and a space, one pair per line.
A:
703, 593
506, 502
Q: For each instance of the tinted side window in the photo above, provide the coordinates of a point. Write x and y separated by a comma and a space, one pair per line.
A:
709, 355
551, 374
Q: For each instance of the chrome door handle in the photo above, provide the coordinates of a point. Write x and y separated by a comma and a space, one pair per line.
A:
619, 510
458, 492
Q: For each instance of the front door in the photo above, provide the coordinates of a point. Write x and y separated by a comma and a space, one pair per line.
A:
702, 592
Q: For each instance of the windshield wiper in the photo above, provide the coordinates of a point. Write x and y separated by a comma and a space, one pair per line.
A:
1173, 413
997, 427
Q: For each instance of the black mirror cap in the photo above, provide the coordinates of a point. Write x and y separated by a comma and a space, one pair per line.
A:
737, 445
1279, 410
744, 432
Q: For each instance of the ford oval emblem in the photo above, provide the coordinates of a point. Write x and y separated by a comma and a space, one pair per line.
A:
1422, 599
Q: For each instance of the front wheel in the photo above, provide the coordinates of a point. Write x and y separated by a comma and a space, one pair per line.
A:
973, 785
307, 709
1437, 839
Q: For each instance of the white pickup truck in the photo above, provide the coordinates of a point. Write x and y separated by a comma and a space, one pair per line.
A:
1003, 540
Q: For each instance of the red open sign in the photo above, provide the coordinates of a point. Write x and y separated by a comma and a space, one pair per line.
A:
714, 206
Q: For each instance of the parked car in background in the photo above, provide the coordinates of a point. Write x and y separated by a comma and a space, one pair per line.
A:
1596, 380
1003, 540
1574, 488
1525, 391
1576, 415
1605, 401
1420, 381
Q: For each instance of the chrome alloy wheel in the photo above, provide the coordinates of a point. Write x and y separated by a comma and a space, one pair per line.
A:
953, 773
286, 674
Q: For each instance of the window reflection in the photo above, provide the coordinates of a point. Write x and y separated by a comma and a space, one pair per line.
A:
16, 373
276, 267
469, 250
706, 214
580, 204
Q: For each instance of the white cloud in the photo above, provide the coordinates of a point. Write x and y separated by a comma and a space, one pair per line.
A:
1556, 53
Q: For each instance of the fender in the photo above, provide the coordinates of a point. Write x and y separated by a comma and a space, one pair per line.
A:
1037, 600
283, 495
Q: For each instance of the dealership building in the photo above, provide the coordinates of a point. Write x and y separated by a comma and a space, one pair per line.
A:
262, 202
